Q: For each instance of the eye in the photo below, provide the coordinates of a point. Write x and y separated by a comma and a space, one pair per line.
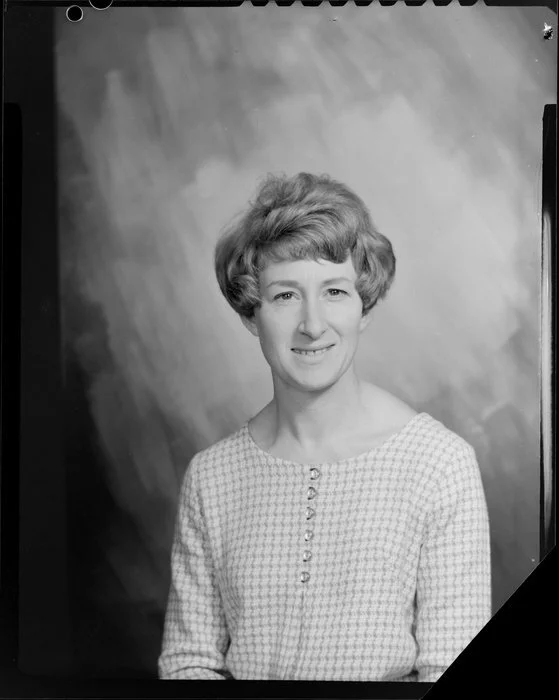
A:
336, 292
284, 296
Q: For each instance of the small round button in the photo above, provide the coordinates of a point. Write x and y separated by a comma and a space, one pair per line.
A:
311, 493
310, 513
314, 473
307, 554
308, 535
305, 576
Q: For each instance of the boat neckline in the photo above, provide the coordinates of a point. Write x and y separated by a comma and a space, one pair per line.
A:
394, 437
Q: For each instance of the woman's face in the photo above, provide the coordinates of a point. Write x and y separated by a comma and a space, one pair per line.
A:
309, 321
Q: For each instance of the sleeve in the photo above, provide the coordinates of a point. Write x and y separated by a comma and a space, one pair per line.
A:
454, 577
195, 637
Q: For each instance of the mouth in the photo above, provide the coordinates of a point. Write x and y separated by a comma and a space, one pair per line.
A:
312, 352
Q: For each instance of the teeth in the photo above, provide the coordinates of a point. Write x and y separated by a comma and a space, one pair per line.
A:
311, 352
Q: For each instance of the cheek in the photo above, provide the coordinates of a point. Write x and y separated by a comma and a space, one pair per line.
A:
348, 320
274, 333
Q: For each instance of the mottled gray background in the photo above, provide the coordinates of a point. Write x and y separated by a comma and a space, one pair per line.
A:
168, 118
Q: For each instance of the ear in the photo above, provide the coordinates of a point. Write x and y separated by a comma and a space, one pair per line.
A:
250, 324
365, 320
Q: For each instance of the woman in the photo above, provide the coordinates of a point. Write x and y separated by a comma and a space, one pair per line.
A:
339, 534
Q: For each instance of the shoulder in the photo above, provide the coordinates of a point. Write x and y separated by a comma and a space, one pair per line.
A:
211, 476
211, 462
447, 460
427, 435
442, 440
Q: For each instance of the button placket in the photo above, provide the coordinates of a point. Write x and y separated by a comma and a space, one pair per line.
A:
310, 512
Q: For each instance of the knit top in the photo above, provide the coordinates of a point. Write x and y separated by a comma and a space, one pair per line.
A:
373, 568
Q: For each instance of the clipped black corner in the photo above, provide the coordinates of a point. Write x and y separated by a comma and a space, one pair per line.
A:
512, 655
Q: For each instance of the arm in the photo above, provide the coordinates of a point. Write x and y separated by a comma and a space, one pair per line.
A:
454, 576
195, 635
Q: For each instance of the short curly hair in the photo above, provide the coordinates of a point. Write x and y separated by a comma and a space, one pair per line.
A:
302, 217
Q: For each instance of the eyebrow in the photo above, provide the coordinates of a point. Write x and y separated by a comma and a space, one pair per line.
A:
294, 283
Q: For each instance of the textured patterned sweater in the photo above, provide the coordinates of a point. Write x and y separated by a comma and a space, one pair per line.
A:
374, 568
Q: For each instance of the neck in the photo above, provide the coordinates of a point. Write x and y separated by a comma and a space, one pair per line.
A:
312, 419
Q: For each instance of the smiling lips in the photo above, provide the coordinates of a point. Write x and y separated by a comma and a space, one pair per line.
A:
312, 352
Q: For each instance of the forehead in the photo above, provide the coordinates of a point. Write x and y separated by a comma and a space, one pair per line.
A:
307, 271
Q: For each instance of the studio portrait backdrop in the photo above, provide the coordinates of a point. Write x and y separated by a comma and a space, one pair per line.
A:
168, 118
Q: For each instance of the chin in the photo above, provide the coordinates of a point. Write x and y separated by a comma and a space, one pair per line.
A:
316, 386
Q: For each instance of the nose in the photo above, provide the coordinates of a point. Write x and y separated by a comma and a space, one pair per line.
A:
313, 323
